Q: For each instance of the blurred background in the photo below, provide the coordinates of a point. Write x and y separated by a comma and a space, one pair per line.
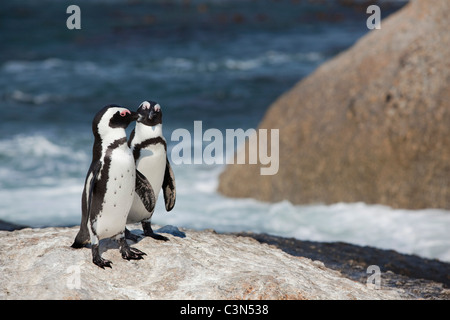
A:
219, 61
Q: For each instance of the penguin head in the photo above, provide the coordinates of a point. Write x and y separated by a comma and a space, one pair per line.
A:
149, 113
112, 117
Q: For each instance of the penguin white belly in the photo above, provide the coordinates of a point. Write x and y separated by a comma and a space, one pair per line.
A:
152, 164
119, 194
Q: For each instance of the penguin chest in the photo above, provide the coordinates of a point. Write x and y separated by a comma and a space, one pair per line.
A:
119, 194
152, 164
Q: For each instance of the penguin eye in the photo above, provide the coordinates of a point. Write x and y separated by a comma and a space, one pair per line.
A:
124, 113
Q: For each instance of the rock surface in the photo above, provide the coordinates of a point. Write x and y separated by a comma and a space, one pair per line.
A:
419, 277
39, 264
370, 125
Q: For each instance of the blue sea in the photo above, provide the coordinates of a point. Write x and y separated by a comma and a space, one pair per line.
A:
222, 62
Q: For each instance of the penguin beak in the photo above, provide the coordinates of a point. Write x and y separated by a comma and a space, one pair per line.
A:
134, 115
154, 112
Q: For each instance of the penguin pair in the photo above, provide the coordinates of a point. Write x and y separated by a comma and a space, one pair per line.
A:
124, 180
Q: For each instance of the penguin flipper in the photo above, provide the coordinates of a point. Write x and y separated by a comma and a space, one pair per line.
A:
145, 191
95, 172
168, 187
83, 237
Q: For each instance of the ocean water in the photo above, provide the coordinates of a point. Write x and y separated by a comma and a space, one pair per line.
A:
222, 62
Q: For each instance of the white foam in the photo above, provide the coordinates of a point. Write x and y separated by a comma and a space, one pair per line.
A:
36, 145
20, 66
42, 206
243, 65
181, 64
268, 58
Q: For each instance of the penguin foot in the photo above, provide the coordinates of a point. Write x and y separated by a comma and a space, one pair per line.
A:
128, 252
157, 236
97, 259
148, 232
130, 236
102, 263
132, 253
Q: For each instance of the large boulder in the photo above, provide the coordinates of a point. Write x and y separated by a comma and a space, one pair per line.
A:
371, 125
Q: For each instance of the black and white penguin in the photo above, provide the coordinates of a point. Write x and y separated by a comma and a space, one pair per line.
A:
111, 184
150, 153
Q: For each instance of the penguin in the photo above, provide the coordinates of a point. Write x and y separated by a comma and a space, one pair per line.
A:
110, 186
149, 149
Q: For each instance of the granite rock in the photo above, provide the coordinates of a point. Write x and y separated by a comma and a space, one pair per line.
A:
369, 125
